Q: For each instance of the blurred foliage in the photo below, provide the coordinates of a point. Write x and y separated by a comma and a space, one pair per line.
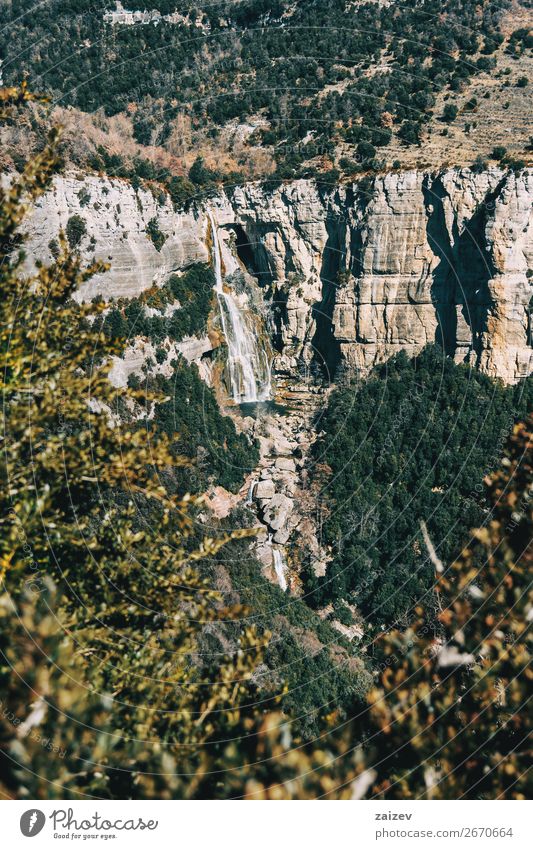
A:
14, 97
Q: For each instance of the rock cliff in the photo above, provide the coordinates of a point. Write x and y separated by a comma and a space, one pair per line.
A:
363, 271
352, 274
117, 219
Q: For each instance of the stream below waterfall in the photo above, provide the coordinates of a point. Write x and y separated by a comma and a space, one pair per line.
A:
279, 568
276, 489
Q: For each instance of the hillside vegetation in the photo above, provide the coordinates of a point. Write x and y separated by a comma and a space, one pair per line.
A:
290, 87
412, 443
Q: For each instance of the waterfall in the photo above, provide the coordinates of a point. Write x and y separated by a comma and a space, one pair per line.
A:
250, 496
248, 361
279, 567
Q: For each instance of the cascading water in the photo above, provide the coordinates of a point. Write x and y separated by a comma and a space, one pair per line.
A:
279, 568
248, 361
250, 497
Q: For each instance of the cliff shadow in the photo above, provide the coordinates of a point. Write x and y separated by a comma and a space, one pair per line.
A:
461, 278
255, 259
475, 268
326, 348
246, 251
443, 287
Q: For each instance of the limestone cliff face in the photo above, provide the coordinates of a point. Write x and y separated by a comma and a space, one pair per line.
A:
362, 272
352, 274
116, 218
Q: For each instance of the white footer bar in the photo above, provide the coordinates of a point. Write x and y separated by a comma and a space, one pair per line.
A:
267, 825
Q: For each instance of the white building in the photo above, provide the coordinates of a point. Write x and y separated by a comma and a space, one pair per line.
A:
126, 17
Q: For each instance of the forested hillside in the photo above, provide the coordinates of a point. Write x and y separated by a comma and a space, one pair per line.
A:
412, 443
375, 71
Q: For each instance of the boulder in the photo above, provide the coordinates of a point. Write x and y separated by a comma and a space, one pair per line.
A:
277, 512
282, 536
264, 490
285, 464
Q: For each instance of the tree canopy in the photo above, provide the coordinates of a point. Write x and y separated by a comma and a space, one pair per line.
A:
412, 442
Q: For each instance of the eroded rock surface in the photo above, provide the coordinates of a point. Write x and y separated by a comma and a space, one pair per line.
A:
352, 274
363, 271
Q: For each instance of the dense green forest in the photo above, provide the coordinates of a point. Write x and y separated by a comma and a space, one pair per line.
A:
412, 443
303, 66
192, 418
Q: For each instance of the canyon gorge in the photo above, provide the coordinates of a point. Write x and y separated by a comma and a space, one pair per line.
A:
313, 283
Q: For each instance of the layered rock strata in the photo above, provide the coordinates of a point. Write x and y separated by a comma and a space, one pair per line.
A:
351, 274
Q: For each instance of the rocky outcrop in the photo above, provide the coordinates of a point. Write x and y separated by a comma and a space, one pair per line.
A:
366, 270
117, 220
141, 352
352, 274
